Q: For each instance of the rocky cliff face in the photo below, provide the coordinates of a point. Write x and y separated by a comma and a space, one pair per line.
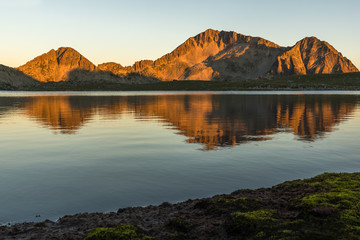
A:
312, 56
112, 67
66, 64
55, 66
242, 59
214, 55
211, 55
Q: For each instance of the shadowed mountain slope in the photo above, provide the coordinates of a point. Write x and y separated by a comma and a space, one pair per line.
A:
12, 79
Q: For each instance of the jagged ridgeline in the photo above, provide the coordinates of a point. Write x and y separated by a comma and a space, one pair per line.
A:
211, 55
66, 64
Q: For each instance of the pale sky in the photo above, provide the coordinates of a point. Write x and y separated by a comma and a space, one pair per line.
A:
127, 31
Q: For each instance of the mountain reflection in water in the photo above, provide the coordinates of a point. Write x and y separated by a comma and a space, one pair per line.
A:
211, 120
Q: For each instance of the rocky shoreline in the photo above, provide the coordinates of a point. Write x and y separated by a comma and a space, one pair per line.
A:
293, 210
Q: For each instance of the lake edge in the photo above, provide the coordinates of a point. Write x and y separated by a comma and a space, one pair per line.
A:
212, 215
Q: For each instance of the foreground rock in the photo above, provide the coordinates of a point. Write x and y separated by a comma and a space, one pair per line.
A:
324, 207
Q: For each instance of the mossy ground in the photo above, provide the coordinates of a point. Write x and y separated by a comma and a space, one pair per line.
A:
348, 81
122, 232
178, 228
256, 223
323, 207
330, 211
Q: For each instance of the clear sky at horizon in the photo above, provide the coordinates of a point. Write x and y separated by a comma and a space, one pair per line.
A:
127, 31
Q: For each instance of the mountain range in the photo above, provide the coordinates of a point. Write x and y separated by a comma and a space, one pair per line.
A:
210, 55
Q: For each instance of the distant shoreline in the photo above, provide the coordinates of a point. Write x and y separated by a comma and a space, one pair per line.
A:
346, 81
323, 207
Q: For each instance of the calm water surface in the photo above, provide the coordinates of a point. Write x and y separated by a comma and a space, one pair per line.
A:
64, 153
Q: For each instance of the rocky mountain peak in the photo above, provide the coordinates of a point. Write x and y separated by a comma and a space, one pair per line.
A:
310, 39
54, 66
69, 56
312, 43
210, 55
223, 37
62, 50
207, 36
312, 56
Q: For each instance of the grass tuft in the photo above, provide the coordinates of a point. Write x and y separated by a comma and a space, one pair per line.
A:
122, 232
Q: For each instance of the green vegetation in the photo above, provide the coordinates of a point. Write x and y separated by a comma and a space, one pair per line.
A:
348, 81
177, 236
257, 223
325, 207
179, 229
337, 208
122, 232
179, 225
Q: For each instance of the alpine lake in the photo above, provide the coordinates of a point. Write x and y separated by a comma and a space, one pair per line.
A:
69, 152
